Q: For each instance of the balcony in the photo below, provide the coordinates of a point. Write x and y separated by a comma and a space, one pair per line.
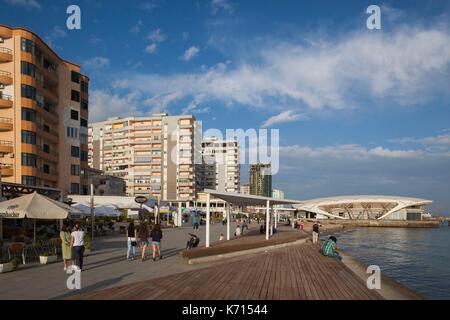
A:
6, 78
6, 146
5, 101
6, 55
5, 32
6, 124
7, 171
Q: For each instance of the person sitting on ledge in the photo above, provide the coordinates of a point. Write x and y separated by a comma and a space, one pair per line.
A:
329, 248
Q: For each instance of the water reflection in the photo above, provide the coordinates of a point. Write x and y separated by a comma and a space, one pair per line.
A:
418, 258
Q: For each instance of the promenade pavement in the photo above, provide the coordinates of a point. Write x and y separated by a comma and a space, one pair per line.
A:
105, 267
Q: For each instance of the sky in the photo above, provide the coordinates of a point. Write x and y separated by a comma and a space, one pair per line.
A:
358, 111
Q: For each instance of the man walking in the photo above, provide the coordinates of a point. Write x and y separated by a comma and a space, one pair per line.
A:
315, 233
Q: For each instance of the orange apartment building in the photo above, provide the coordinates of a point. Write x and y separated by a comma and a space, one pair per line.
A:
43, 115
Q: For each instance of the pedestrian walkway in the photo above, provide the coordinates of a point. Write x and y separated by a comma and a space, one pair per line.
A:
250, 240
297, 272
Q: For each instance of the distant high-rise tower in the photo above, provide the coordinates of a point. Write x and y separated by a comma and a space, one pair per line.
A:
260, 180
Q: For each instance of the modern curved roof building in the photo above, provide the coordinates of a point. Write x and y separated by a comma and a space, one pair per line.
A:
365, 207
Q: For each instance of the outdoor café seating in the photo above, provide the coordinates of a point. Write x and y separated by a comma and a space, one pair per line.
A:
17, 249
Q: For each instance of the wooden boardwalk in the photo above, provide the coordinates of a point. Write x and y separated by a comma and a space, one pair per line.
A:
294, 273
251, 240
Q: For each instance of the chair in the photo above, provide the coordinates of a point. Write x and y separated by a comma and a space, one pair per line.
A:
15, 249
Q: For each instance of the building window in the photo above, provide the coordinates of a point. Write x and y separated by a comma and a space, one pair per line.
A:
75, 188
28, 137
72, 132
75, 96
28, 114
84, 156
84, 87
27, 68
84, 104
46, 168
83, 138
28, 45
73, 114
46, 148
85, 190
75, 152
75, 76
29, 160
29, 180
83, 122
75, 170
28, 91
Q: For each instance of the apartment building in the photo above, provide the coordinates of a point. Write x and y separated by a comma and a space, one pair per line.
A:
43, 115
220, 168
154, 155
260, 180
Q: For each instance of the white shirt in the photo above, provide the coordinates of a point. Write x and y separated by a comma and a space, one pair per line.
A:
238, 231
78, 238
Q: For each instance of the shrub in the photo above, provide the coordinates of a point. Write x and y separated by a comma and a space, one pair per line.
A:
47, 254
15, 262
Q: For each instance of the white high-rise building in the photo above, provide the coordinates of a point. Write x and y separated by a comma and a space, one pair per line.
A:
220, 169
154, 155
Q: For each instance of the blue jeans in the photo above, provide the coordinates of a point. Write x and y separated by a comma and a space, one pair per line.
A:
78, 252
336, 255
130, 247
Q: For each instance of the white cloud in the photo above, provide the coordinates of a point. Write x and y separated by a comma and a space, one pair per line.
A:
408, 66
224, 5
151, 48
136, 28
190, 53
285, 116
29, 4
349, 151
157, 36
97, 62
104, 104
442, 139
148, 5
56, 33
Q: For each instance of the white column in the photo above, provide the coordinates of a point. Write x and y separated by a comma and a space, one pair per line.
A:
207, 219
276, 218
271, 223
267, 219
179, 216
228, 220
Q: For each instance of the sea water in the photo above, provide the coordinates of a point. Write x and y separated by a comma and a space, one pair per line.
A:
419, 258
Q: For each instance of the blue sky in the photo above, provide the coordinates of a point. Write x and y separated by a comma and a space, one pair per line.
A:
358, 111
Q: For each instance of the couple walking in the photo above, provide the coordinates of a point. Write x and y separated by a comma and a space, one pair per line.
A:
145, 233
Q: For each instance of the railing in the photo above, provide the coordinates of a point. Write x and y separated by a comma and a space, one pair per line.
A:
5, 50
4, 96
6, 143
5, 120
5, 73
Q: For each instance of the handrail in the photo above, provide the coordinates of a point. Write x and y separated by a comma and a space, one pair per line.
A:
7, 50
5, 73
4, 96
5, 143
5, 120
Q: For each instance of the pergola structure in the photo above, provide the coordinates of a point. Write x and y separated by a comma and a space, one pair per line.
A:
242, 200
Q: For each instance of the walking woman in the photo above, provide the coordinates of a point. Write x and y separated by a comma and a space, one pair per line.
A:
77, 244
143, 237
131, 242
65, 237
156, 235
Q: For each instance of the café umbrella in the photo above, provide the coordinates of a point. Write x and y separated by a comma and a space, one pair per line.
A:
35, 206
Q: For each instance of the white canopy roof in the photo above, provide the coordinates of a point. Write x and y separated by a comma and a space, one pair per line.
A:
314, 205
248, 200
